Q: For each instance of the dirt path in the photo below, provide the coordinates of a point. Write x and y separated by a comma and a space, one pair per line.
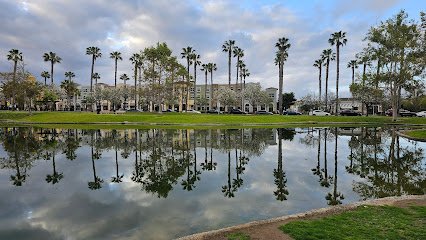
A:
268, 229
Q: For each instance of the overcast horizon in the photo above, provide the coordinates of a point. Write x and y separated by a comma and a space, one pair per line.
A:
69, 27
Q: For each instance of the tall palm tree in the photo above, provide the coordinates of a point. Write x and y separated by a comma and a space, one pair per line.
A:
352, 64
195, 58
15, 56
238, 53
96, 53
187, 53
53, 58
228, 46
283, 46
124, 78
327, 55
338, 39
211, 68
70, 75
204, 68
116, 56
318, 64
136, 61
45, 75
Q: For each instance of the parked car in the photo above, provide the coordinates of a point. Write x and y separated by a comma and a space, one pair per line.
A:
192, 111
349, 112
291, 113
421, 114
263, 112
402, 113
236, 111
319, 113
133, 110
406, 113
214, 111
168, 110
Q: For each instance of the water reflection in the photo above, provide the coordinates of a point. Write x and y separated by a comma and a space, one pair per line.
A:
226, 176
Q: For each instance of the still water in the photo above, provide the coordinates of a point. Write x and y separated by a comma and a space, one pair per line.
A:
163, 184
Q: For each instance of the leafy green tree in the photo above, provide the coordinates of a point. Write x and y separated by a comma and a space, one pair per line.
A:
288, 99
53, 58
229, 46
283, 46
96, 53
401, 43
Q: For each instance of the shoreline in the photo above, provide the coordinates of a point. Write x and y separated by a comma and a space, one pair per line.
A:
320, 212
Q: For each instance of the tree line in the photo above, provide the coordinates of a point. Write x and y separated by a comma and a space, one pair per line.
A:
393, 60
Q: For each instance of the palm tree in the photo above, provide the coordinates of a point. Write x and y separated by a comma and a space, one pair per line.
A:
96, 53
69, 75
70, 89
238, 53
116, 56
96, 76
211, 67
187, 53
283, 46
195, 58
53, 59
205, 69
318, 63
136, 61
353, 64
228, 46
15, 56
55, 177
124, 78
338, 39
45, 75
327, 55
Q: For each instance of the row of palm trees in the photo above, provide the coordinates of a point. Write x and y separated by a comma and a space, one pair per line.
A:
337, 39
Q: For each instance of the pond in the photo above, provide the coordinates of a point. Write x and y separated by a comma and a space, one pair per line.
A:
167, 183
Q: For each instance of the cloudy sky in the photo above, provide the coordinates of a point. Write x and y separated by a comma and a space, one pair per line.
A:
68, 27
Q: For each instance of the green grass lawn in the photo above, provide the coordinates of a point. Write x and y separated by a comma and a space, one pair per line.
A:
192, 119
366, 222
417, 133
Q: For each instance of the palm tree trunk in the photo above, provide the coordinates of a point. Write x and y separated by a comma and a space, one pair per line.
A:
115, 73
51, 73
211, 89
229, 66
337, 82
195, 82
136, 86
326, 83
280, 91
236, 83
353, 81
91, 74
319, 82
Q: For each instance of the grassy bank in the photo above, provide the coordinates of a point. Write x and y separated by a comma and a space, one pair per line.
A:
420, 134
191, 119
366, 222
